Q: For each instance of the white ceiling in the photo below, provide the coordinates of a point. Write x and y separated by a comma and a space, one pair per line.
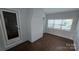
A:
55, 10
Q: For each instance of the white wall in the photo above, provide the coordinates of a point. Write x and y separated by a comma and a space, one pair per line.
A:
37, 24
63, 33
31, 26
44, 23
1, 37
25, 23
23, 18
76, 37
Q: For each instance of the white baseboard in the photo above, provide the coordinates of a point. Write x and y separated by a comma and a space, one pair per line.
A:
21, 41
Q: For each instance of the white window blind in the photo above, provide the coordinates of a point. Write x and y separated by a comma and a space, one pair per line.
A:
62, 24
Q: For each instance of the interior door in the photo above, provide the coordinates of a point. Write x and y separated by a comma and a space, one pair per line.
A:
10, 21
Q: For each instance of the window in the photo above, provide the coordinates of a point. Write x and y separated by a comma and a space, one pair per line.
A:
57, 24
50, 22
64, 24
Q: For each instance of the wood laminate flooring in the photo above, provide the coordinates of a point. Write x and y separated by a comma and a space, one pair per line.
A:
47, 43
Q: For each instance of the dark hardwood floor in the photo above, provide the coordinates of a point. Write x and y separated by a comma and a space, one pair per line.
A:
47, 43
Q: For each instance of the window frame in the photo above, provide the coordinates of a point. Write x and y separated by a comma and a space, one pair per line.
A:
61, 25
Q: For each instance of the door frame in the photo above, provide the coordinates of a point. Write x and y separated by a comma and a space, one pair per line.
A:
7, 42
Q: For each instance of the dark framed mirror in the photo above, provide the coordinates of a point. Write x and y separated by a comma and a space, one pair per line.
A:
10, 20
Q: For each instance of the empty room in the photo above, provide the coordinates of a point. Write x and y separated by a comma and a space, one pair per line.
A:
39, 29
